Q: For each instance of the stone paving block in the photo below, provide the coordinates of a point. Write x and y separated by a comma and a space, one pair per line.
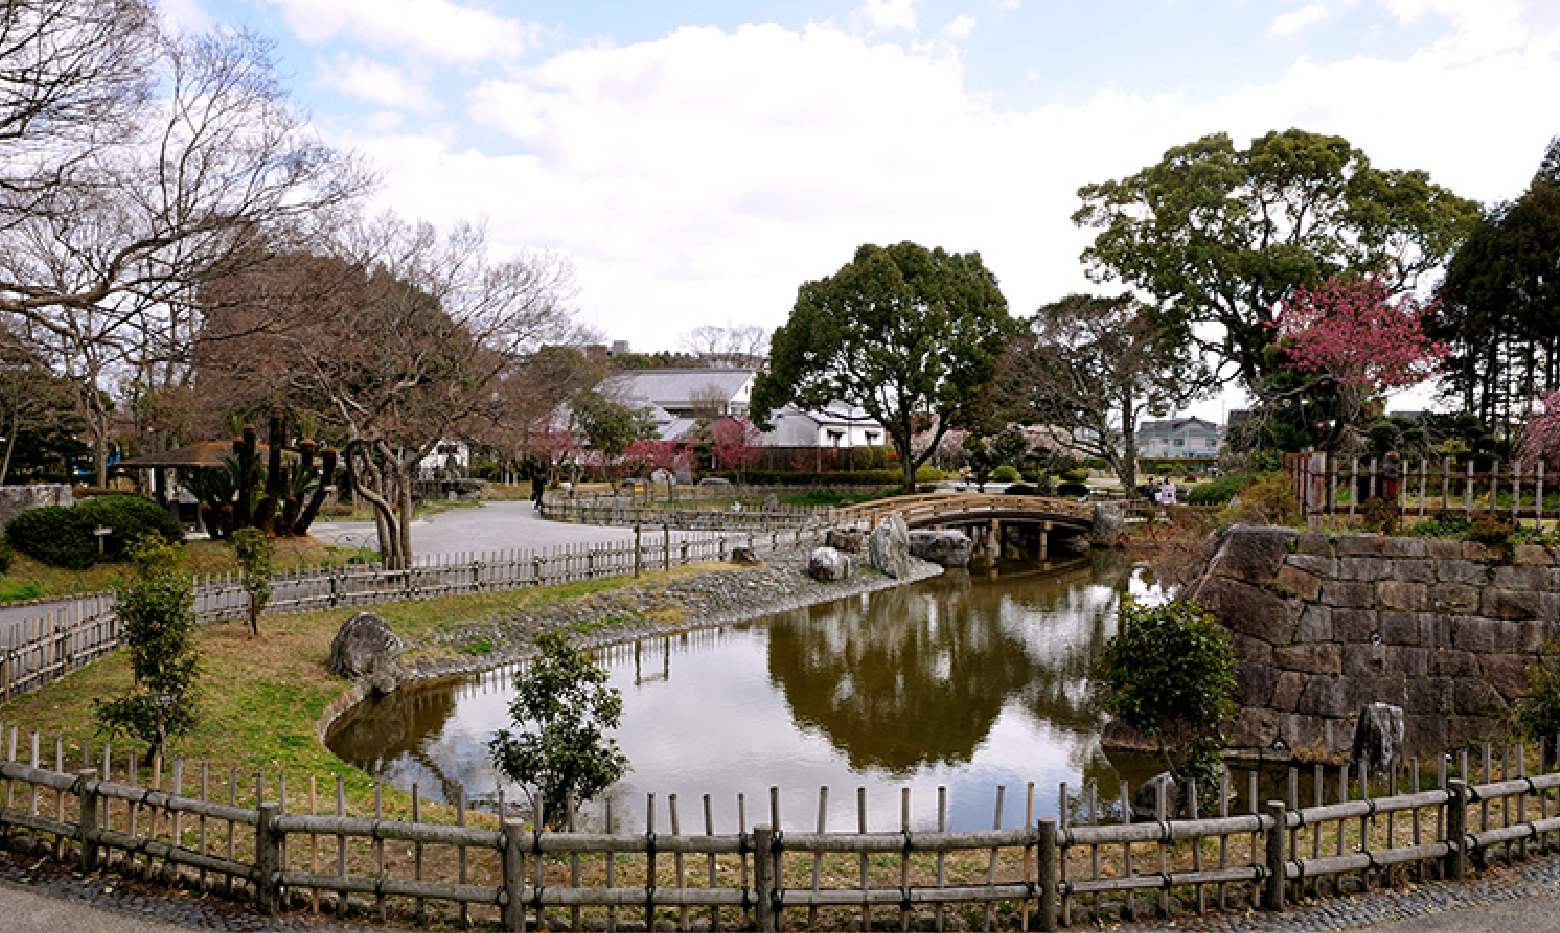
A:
1535, 554
1354, 625
1309, 659
1454, 597
1315, 624
1466, 572
1398, 628
1526, 577
1313, 564
1307, 586
1443, 548
1317, 545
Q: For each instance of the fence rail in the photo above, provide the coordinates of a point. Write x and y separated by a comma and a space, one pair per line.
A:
42, 649
284, 847
631, 509
1332, 491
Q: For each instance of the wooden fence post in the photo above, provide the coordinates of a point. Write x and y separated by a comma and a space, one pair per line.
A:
1273, 895
1457, 829
764, 878
87, 834
1047, 874
268, 862
514, 876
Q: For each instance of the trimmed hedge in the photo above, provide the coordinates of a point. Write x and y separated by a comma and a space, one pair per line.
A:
1220, 490
63, 536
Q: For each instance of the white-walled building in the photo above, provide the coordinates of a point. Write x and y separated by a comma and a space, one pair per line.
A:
837, 425
1179, 437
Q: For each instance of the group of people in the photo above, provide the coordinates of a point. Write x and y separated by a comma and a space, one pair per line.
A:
1161, 492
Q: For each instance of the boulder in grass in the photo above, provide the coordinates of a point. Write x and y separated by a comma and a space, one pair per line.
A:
1145, 800
1378, 737
365, 648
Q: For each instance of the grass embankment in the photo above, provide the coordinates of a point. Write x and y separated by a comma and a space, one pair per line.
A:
261, 697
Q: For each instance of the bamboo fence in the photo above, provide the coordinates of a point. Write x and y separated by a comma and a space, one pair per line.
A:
38, 651
297, 844
1333, 490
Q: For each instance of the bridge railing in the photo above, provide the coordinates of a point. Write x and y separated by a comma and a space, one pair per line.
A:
974, 505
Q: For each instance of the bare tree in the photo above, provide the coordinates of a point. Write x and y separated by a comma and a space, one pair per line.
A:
1093, 367
730, 347
173, 161
398, 339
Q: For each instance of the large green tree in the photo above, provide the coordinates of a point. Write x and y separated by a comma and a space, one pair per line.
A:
910, 335
1094, 367
1500, 302
1220, 235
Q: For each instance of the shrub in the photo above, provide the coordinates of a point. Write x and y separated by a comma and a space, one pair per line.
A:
926, 473
57, 535
1379, 515
1220, 490
1079, 475
132, 518
62, 536
1169, 673
1538, 713
1268, 501
1004, 474
7, 555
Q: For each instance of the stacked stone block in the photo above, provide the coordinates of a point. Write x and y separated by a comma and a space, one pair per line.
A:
1323, 625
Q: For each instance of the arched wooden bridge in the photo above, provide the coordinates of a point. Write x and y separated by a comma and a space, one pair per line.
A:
984, 516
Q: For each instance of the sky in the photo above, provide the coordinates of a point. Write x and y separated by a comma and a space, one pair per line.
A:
698, 161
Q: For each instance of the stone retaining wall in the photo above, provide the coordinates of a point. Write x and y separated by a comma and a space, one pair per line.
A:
14, 500
1323, 625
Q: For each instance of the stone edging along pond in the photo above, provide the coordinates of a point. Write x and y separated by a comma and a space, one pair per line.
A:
721, 596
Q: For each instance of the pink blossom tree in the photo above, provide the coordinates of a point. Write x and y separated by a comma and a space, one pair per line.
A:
735, 444
1541, 440
1359, 340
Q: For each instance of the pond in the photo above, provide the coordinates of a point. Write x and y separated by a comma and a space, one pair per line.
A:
961, 682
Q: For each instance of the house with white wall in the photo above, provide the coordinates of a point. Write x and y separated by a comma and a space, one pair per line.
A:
1179, 437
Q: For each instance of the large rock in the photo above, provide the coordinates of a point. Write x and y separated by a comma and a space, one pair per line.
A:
14, 500
945, 547
888, 547
1378, 737
1109, 523
1145, 800
366, 648
849, 540
828, 565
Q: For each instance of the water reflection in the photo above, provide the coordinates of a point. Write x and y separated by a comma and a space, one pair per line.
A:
956, 682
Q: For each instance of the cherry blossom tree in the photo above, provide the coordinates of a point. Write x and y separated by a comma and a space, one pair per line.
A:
1542, 438
1356, 341
735, 444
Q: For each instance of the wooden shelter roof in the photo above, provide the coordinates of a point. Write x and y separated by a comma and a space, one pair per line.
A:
203, 454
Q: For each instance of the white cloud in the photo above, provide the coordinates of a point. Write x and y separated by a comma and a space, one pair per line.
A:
960, 28
705, 175
377, 83
185, 16
1297, 20
890, 14
442, 30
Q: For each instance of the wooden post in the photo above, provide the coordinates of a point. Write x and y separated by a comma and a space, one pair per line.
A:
764, 878
1315, 494
87, 835
514, 876
1047, 874
1457, 828
639, 549
268, 852
1273, 895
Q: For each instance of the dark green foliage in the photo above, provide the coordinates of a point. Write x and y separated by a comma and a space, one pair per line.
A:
255, 551
562, 710
1220, 490
57, 535
62, 536
1379, 515
1200, 231
1072, 490
157, 619
1169, 673
1004, 474
909, 334
1538, 713
7, 554
132, 518
1447, 526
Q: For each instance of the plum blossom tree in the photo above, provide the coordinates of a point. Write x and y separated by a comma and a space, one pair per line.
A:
735, 444
1542, 438
1355, 341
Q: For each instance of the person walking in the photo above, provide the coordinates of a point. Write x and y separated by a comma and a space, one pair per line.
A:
538, 485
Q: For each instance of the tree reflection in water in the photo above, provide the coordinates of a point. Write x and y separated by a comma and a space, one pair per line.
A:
958, 681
